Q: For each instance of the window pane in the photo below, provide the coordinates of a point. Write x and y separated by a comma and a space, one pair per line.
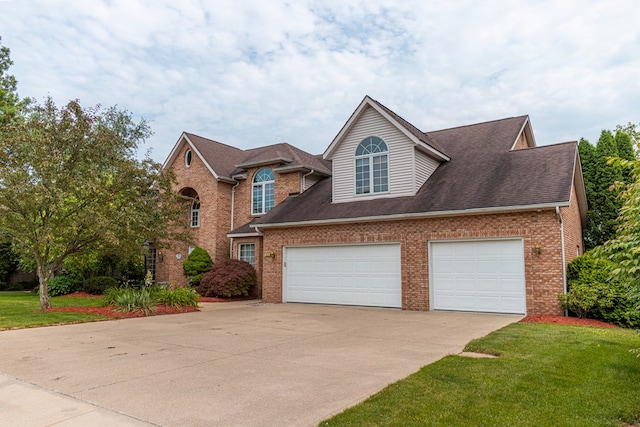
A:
380, 174
257, 199
362, 176
247, 252
269, 196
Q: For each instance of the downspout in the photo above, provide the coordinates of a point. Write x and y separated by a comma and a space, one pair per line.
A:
564, 266
302, 184
233, 203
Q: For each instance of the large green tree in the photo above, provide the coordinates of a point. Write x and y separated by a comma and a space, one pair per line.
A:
70, 183
600, 178
10, 102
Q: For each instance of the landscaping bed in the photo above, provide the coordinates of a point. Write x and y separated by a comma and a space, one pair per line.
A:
565, 320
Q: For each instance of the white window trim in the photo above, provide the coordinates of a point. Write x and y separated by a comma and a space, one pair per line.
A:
240, 249
188, 158
262, 185
370, 158
195, 213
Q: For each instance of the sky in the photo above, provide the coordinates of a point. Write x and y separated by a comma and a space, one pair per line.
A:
254, 73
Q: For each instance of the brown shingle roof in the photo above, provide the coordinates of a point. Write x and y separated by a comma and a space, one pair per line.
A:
482, 174
224, 159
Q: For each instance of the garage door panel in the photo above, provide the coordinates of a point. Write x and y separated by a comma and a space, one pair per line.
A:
344, 274
478, 275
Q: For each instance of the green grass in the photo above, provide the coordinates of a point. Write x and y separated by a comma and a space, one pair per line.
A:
22, 310
546, 375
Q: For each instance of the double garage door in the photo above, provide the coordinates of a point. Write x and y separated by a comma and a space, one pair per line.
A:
475, 275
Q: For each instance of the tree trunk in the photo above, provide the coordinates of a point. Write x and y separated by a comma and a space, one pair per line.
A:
44, 275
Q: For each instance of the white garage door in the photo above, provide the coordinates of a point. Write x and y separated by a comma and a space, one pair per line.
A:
367, 275
479, 275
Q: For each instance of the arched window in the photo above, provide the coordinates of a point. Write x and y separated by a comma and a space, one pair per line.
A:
372, 166
262, 192
195, 212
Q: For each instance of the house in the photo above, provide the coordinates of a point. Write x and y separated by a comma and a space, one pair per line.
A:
473, 218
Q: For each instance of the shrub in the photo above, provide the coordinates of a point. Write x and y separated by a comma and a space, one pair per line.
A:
63, 285
593, 292
179, 297
98, 285
197, 263
228, 279
127, 299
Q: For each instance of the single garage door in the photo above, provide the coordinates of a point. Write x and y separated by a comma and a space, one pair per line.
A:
367, 275
478, 275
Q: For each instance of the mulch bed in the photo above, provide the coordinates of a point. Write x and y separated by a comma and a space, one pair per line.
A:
111, 312
565, 320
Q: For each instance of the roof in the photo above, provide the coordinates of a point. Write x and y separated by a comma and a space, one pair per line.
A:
483, 175
225, 161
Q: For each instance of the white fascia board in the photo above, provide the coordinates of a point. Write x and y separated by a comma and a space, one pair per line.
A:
345, 128
236, 235
417, 215
174, 151
526, 128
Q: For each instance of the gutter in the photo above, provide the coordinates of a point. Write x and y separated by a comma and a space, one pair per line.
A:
417, 215
564, 266
233, 204
302, 183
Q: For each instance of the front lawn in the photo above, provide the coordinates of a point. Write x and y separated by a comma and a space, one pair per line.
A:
22, 309
546, 375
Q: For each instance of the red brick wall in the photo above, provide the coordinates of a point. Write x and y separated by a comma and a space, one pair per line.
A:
259, 258
572, 229
543, 274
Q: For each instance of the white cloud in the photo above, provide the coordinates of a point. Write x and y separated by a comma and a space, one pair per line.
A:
252, 73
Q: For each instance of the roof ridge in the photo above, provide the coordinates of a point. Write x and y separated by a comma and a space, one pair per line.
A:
479, 123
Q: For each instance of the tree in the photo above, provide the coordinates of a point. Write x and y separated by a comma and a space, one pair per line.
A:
624, 249
196, 265
70, 183
599, 178
10, 102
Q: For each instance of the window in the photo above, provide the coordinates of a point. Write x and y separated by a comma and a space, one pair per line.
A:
195, 212
188, 157
191, 248
372, 166
247, 252
263, 192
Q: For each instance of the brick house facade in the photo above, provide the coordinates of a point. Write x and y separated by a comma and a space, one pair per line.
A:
475, 218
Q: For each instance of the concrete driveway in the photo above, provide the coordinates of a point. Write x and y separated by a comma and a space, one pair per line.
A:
231, 364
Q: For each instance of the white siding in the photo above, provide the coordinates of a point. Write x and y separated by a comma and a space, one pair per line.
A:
308, 181
425, 166
401, 158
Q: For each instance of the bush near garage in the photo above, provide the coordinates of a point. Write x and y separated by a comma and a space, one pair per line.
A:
228, 279
593, 292
196, 265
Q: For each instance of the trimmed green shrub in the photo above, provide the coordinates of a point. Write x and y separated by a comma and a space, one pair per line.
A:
178, 298
98, 285
62, 285
197, 263
595, 293
227, 279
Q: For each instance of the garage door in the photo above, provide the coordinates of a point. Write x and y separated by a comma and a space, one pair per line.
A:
478, 275
367, 275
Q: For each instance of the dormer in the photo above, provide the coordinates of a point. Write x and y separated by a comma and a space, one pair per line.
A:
378, 154
525, 137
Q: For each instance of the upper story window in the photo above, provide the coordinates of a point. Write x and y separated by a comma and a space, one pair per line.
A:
372, 166
263, 192
188, 157
195, 212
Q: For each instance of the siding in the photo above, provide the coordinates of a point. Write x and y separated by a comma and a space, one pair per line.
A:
401, 158
425, 166
309, 181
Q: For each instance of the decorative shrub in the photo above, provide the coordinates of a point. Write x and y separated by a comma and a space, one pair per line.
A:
197, 263
98, 285
228, 279
127, 299
595, 293
179, 297
63, 285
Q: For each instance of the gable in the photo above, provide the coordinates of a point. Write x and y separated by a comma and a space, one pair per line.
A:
408, 168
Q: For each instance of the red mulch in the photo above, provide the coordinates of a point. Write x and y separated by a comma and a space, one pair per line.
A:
565, 320
110, 310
